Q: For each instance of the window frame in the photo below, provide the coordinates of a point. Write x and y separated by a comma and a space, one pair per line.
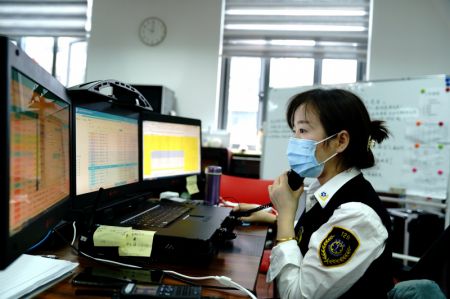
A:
264, 86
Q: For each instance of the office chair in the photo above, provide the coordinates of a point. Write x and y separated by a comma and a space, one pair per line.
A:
248, 190
416, 289
434, 264
216, 156
244, 190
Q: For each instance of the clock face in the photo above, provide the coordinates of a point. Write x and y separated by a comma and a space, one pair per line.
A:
152, 31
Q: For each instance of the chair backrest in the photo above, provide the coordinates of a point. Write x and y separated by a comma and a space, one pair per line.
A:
416, 289
248, 190
434, 264
216, 156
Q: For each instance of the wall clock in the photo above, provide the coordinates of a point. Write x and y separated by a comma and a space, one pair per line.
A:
152, 31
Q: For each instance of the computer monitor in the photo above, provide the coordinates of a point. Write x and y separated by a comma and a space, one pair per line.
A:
35, 152
171, 148
106, 153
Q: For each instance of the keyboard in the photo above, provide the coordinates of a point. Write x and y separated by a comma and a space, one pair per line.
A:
157, 216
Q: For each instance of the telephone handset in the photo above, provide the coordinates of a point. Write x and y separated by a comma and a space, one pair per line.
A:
294, 181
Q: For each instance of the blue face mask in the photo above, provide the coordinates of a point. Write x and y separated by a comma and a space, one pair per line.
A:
302, 157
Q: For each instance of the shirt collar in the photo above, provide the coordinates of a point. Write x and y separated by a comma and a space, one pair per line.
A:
324, 193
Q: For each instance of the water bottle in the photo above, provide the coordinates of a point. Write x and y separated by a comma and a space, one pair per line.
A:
212, 186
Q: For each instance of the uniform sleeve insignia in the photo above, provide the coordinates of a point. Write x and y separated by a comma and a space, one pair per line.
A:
338, 247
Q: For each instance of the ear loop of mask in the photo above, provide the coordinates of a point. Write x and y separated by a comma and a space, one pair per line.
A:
323, 140
333, 155
329, 158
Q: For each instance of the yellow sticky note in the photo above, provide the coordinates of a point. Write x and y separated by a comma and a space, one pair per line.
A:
138, 243
191, 184
110, 236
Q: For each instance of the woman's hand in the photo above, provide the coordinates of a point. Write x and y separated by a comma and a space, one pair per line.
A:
285, 201
262, 216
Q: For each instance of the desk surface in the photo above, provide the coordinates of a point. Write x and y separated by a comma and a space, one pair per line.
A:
238, 259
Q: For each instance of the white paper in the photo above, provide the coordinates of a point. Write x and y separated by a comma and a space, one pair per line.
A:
28, 273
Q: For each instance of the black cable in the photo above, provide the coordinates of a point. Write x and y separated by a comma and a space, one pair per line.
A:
46, 237
247, 213
67, 242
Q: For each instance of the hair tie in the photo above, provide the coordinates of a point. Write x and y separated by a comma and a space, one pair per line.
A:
370, 143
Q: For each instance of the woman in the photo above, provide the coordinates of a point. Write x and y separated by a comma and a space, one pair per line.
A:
340, 247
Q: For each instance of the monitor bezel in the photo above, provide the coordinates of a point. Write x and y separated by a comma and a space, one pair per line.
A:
13, 246
170, 183
112, 197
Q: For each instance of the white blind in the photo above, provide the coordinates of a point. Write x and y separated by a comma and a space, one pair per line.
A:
45, 18
296, 28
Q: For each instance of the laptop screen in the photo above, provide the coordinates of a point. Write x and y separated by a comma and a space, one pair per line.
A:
170, 146
107, 151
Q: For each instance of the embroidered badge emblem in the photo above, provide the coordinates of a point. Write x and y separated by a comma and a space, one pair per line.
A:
323, 195
338, 247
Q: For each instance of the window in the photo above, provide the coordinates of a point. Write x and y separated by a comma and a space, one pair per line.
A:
63, 57
291, 72
71, 60
335, 71
243, 100
53, 33
40, 49
280, 44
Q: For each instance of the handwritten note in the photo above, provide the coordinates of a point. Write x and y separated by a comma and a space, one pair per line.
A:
130, 242
138, 243
191, 184
110, 236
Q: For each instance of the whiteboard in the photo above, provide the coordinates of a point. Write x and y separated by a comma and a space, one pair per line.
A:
415, 160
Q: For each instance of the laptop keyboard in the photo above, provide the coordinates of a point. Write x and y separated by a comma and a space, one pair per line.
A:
157, 216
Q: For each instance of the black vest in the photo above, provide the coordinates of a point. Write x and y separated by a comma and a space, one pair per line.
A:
377, 280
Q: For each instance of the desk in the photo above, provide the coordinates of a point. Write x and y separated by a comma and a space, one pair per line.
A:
238, 259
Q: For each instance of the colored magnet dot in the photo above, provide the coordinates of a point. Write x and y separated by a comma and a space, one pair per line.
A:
418, 123
440, 172
417, 145
422, 90
447, 89
440, 146
414, 170
440, 124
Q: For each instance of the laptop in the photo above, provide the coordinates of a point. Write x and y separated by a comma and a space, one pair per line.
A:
184, 231
144, 154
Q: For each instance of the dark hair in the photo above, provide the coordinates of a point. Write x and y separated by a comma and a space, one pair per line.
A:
339, 110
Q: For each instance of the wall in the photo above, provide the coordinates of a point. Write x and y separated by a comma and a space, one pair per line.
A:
409, 38
186, 62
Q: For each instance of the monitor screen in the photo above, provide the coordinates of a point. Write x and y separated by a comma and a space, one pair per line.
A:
171, 146
35, 117
107, 151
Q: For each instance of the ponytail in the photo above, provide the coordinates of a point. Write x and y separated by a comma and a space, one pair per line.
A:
378, 131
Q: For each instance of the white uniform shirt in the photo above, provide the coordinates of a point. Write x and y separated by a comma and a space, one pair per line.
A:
301, 276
